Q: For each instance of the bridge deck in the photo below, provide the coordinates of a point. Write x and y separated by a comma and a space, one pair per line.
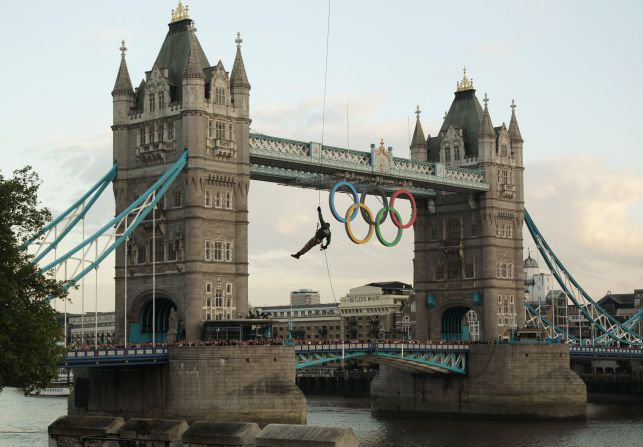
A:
311, 165
311, 355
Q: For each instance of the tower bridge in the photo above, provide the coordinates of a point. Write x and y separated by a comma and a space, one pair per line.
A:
181, 254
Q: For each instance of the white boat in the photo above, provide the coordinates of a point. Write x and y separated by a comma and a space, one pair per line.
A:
60, 386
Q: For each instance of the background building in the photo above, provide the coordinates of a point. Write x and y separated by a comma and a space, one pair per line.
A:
304, 296
370, 311
537, 285
83, 330
310, 321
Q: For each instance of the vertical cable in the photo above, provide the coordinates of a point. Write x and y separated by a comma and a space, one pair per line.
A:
154, 275
65, 280
321, 149
82, 294
96, 297
125, 284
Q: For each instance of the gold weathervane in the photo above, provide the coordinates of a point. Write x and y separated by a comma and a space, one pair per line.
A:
180, 13
466, 83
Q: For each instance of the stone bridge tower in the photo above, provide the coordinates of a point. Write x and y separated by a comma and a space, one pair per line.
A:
468, 248
201, 265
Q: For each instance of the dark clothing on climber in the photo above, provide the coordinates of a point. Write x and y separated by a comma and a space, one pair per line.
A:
322, 233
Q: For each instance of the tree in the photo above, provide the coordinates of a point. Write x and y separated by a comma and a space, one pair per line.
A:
29, 331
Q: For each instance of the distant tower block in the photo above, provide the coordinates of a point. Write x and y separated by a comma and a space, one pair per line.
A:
468, 248
202, 224
304, 297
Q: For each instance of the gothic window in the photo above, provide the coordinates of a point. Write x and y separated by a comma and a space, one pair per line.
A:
230, 132
170, 249
228, 252
218, 251
208, 197
505, 177
218, 298
228, 200
433, 232
161, 100
220, 130
210, 128
208, 250
150, 134
219, 95
454, 266
217, 199
510, 230
152, 99
170, 131
447, 154
453, 230
141, 137
159, 131
456, 153
208, 289
177, 198
469, 267
142, 254
228, 288
159, 248
503, 150
439, 269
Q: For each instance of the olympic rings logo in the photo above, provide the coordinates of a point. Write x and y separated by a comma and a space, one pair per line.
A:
374, 223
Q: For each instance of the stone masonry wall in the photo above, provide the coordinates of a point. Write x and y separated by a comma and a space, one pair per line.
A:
504, 380
235, 383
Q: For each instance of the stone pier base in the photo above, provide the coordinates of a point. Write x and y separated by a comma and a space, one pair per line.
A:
507, 380
206, 383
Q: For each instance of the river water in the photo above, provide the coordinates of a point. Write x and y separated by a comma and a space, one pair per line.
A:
24, 421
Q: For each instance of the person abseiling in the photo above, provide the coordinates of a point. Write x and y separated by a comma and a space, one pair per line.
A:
323, 232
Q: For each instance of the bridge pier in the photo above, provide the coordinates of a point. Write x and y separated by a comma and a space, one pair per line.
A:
207, 383
501, 380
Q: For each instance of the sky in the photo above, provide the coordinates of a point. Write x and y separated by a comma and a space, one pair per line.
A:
572, 68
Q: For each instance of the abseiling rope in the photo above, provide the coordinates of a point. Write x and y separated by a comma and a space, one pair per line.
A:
330, 280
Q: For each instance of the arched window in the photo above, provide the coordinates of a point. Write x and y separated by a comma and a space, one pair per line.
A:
161, 100
152, 99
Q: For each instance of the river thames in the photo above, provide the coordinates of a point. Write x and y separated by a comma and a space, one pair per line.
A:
24, 421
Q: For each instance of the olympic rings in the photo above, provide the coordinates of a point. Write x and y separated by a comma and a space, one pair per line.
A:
349, 232
400, 230
374, 224
331, 199
407, 193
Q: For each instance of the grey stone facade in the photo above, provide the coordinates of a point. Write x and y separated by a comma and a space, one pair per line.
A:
201, 224
468, 248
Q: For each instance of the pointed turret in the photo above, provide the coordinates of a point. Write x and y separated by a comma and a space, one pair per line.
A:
238, 78
239, 85
123, 84
418, 143
486, 127
514, 130
192, 70
123, 93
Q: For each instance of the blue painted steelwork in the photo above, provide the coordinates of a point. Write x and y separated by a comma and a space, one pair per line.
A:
448, 358
142, 206
611, 329
84, 203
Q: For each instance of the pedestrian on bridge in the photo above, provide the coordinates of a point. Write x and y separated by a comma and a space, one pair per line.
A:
323, 232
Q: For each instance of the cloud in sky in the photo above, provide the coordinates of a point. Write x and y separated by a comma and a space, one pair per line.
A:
587, 212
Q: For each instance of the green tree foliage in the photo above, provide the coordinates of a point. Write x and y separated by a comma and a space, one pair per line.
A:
29, 331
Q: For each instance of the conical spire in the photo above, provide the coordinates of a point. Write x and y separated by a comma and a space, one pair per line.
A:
418, 134
123, 83
514, 130
486, 127
192, 68
238, 77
